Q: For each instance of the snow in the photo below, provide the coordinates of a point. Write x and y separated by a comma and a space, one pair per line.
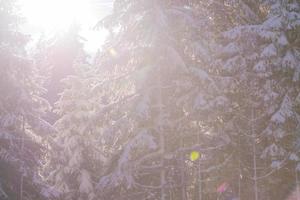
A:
76, 158
142, 108
5, 135
293, 16
231, 49
181, 13
279, 133
274, 22
282, 40
234, 33
269, 51
202, 104
221, 101
297, 100
176, 58
296, 76
7, 120
199, 102
298, 167
233, 64
266, 34
123, 171
284, 112
85, 181
276, 164
201, 74
200, 50
289, 60
260, 67
294, 157
273, 150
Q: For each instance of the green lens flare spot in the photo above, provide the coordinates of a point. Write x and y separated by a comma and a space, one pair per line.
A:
195, 155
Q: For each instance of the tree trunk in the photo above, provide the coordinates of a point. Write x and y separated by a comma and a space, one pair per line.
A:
254, 156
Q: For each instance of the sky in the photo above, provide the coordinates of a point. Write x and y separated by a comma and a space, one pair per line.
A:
50, 17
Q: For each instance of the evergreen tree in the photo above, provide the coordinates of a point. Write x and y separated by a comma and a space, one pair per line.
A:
157, 77
77, 161
57, 56
264, 62
21, 108
164, 88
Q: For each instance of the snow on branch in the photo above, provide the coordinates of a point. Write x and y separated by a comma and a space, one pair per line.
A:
124, 169
284, 112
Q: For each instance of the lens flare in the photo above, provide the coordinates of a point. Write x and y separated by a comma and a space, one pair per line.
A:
195, 155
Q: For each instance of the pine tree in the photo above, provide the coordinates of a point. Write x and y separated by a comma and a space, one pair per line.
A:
75, 163
21, 108
164, 87
156, 75
262, 59
75, 158
55, 56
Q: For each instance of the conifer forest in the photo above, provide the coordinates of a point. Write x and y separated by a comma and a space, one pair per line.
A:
149, 99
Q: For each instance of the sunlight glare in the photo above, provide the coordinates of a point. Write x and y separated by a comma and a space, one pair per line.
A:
56, 14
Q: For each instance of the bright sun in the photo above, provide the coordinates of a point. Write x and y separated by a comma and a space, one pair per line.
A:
56, 14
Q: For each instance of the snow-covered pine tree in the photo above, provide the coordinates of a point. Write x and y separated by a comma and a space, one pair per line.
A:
21, 108
74, 165
56, 55
156, 77
215, 108
263, 58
